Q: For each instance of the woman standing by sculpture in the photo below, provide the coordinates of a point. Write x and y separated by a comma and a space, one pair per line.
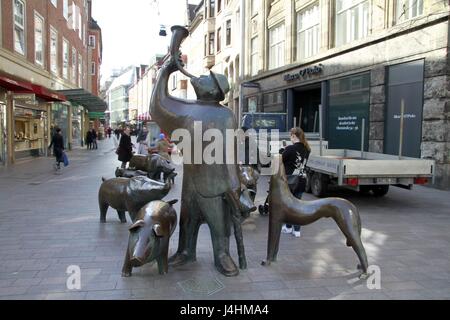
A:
125, 150
294, 158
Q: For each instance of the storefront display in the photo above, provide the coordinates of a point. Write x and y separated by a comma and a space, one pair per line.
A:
3, 134
77, 121
29, 132
60, 114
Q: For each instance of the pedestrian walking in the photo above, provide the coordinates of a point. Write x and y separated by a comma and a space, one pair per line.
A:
94, 138
294, 159
89, 139
58, 148
125, 149
143, 141
163, 147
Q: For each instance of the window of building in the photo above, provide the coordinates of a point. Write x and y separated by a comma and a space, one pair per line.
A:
276, 46
80, 71
80, 25
254, 56
212, 8
66, 9
54, 2
205, 53
228, 35
74, 65
38, 39
352, 20
219, 39
219, 5
211, 44
308, 32
274, 102
408, 9
53, 50
93, 68
255, 7
65, 59
92, 41
19, 26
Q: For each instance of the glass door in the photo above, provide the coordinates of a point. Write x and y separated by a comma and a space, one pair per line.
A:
3, 134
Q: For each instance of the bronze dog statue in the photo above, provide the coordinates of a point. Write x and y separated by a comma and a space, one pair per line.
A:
149, 236
285, 208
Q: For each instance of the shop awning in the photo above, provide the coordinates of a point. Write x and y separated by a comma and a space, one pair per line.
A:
27, 87
86, 99
48, 95
15, 85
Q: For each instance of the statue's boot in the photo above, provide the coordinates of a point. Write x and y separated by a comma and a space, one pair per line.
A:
226, 266
180, 258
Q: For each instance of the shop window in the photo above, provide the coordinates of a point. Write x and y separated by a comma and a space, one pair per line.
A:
276, 46
408, 9
29, 132
308, 32
19, 26
352, 20
274, 102
348, 106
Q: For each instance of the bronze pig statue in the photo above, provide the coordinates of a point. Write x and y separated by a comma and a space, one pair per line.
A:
130, 195
149, 237
153, 164
127, 173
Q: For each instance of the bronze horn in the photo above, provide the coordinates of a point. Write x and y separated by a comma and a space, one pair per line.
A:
179, 33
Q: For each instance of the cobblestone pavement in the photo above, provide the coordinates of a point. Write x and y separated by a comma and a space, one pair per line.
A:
49, 222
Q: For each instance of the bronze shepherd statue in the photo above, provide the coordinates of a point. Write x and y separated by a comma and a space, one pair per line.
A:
210, 192
285, 208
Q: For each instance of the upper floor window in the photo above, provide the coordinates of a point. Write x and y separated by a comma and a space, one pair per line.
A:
228, 35
408, 9
73, 70
308, 35
219, 39
276, 46
211, 44
53, 50
352, 20
212, 8
65, 59
219, 5
255, 7
80, 71
38, 39
66, 9
254, 56
92, 41
93, 68
54, 2
19, 26
205, 53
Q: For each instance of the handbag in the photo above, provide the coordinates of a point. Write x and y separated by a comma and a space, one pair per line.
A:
65, 159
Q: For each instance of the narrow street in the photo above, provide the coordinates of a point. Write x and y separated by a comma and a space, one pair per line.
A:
49, 222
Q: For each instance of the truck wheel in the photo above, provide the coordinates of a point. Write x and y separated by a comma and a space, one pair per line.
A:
319, 184
380, 191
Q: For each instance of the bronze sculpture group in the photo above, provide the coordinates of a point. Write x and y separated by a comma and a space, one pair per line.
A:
220, 195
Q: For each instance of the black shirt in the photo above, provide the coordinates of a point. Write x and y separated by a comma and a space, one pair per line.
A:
57, 142
294, 156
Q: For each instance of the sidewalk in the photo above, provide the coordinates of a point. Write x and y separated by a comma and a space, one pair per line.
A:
49, 222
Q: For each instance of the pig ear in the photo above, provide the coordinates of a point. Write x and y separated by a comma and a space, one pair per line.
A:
158, 230
137, 224
172, 202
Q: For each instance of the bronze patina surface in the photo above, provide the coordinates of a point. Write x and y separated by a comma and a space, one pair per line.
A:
207, 188
285, 208
130, 195
149, 236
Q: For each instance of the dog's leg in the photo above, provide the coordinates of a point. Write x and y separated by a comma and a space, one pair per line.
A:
239, 241
273, 242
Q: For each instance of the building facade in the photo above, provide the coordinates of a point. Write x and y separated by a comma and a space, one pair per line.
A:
43, 55
118, 97
361, 61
